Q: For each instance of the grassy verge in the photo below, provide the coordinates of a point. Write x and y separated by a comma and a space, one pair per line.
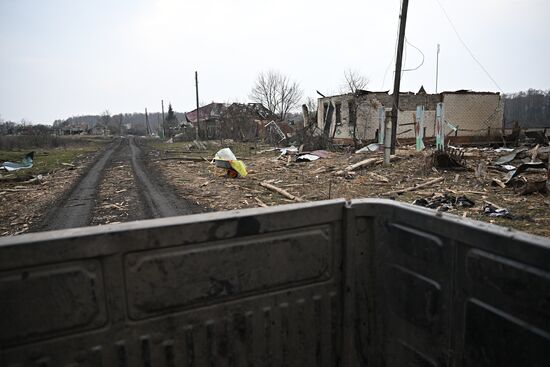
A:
47, 160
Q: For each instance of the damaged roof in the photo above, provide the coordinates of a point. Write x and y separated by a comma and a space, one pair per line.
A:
210, 111
254, 109
422, 91
468, 91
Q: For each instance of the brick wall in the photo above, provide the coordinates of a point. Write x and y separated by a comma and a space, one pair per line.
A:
474, 113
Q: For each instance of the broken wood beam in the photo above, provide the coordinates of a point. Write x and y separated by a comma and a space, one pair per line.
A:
193, 159
364, 163
378, 177
17, 190
413, 188
497, 182
283, 192
260, 203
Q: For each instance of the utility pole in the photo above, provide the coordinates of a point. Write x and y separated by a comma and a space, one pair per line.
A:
397, 80
197, 95
437, 69
147, 122
158, 125
163, 124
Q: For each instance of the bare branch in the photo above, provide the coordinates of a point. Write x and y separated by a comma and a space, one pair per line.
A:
276, 92
354, 81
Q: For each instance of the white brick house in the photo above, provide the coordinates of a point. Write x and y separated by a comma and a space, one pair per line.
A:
475, 114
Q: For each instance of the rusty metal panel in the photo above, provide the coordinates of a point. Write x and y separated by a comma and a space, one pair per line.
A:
243, 288
444, 291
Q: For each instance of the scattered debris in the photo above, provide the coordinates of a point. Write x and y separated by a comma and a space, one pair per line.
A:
445, 202
508, 150
26, 162
344, 174
533, 153
307, 157
273, 127
508, 167
378, 177
364, 163
288, 151
37, 179
260, 203
494, 211
413, 188
280, 191
374, 147
525, 187
537, 136
450, 158
509, 157
481, 171
185, 158
200, 145
497, 182
321, 153
522, 168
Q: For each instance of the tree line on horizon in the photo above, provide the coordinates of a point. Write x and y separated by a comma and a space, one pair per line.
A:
531, 108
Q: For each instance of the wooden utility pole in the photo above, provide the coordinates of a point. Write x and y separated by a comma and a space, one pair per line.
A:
397, 80
147, 123
158, 125
197, 97
163, 123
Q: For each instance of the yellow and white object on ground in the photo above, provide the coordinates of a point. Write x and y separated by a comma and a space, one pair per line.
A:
225, 158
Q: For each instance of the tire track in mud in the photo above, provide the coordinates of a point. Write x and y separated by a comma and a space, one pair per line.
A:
118, 198
119, 173
76, 208
160, 199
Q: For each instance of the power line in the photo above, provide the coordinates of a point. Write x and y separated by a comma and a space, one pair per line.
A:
465, 46
422, 53
392, 61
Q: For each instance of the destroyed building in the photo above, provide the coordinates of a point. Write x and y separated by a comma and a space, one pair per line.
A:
467, 115
244, 121
209, 119
239, 121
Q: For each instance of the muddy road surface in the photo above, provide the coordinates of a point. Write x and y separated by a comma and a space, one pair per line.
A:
119, 186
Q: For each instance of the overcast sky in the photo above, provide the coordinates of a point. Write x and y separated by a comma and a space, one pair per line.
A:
66, 57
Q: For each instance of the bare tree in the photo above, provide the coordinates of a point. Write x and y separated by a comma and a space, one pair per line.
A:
311, 104
276, 92
354, 81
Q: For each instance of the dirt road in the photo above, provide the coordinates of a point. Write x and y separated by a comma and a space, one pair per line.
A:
119, 186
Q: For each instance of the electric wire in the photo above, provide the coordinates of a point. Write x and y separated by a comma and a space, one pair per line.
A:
395, 49
466, 47
422, 53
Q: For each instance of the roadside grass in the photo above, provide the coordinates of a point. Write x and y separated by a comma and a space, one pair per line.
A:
47, 160
46, 141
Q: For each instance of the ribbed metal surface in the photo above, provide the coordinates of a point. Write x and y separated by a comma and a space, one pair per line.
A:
258, 290
318, 284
